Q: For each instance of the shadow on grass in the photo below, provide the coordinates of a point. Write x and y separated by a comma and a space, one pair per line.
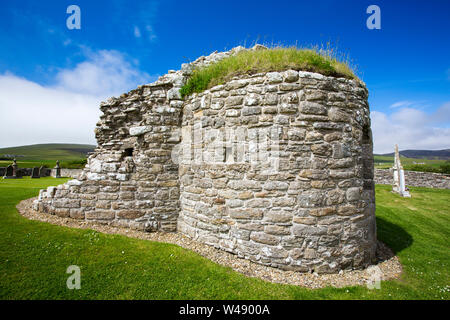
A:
394, 236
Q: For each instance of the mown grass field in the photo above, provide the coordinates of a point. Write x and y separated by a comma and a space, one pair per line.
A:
34, 257
69, 155
385, 162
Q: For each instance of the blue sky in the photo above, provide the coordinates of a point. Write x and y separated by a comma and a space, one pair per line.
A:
121, 44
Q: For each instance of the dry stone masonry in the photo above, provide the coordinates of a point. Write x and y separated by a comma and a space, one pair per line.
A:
275, 167
415, 178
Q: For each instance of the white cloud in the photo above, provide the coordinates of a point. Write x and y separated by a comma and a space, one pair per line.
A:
142, 18
442, 115
150, 33
148, 30
68, 110
411, 129
36, 114
106, 72
401, 104
411, 104
137, 32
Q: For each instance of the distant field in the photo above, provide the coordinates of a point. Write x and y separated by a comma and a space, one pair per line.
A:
69, 155
74, 156
385, 162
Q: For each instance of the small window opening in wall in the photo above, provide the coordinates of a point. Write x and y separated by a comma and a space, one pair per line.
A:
366, 135
129, 152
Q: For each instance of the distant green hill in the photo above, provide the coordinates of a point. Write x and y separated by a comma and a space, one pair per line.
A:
69, 155
422, 154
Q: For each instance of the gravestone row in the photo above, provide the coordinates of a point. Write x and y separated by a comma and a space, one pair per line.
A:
39, 172
12, 171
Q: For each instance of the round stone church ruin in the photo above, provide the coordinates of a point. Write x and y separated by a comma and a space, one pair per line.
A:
275, 167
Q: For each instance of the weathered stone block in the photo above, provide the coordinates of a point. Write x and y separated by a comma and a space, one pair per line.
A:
353, 194
274, 77
312, 108
103, 204
107, 196
251, 99
347, 210
305, 220
130, 214
245, 213
270, 99
248, 111
308, 230
126, 195
290, 76
264, 238
137, 131
277, 230
320, 212
234, 101
275, 185
258, 203
100, 215
336, 115
66, 203
289, 108
314, 136
321, 149
76, 214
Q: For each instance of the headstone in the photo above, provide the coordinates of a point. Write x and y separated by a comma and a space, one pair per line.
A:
16, 173
42, 171
11, 171
399, 177
35, 173
8, 172
58, 170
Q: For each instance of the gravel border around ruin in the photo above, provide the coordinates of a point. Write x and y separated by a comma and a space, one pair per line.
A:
388, 263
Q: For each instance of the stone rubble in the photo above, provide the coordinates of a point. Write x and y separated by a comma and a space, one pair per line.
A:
415, 178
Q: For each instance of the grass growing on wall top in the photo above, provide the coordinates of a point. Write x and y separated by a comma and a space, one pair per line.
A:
274, 59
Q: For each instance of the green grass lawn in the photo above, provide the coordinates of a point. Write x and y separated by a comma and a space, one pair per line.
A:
386, 162
34, 257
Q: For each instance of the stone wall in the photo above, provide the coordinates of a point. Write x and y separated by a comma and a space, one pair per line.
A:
294, 189
316, 210
131, 179
23, 171
68, 173
415, 179
71, 173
